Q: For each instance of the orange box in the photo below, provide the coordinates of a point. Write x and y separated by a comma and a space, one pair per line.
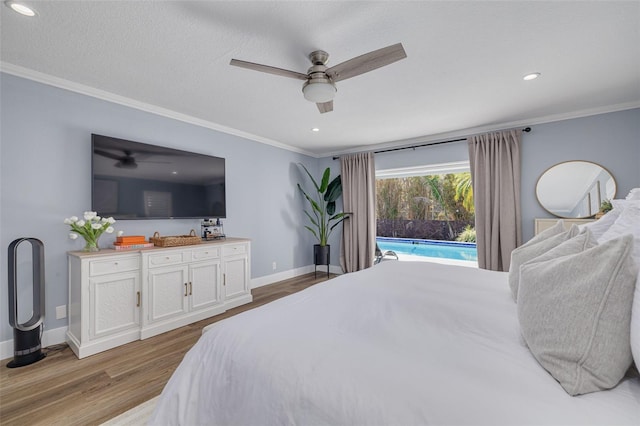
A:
131, 239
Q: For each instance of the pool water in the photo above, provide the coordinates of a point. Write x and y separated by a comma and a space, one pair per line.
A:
429, 248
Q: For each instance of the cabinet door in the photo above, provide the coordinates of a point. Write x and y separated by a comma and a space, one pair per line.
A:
204, 285
168, 293
114, 304
236, 276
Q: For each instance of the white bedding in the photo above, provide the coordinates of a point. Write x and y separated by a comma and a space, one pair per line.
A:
402, 343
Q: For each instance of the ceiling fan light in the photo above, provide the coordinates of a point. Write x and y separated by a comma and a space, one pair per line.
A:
127, 165
20, 8
319, 92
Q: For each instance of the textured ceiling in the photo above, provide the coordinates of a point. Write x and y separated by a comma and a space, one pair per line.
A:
463, 72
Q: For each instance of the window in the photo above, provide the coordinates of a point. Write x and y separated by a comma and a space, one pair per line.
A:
433, 202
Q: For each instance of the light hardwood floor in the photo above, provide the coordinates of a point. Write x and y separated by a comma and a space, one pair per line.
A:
64, 390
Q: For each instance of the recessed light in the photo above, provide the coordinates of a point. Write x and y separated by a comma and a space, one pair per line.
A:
531, 76
315, 129
20, 8
174, 172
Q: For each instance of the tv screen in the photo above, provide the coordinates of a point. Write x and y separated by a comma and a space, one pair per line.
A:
133, 180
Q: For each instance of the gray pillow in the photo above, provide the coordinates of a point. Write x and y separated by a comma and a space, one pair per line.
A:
558, 228
575, 314
579, 243
538, 245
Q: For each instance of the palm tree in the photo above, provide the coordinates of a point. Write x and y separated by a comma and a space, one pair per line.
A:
464, 191
434, 183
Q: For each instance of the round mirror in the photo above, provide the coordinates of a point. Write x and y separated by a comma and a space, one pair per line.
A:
575, 189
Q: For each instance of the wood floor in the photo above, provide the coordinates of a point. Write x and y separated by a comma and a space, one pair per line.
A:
63, 390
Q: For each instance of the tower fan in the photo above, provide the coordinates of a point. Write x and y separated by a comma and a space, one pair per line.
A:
27, 337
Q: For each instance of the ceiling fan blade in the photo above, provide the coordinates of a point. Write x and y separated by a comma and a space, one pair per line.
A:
325, 107
107, 154
268, 69
367, 62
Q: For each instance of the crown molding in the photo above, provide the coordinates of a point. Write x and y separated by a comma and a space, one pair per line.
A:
61, 83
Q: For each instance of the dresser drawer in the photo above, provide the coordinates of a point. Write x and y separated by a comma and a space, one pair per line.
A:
232, 249
209, 253
114, 265
156, 260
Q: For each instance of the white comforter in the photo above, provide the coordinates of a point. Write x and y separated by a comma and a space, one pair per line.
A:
402, 343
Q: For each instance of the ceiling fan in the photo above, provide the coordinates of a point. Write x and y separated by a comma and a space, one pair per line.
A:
319, 81
126, 161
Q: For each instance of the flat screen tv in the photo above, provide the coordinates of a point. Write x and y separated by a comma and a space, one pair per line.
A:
133, 180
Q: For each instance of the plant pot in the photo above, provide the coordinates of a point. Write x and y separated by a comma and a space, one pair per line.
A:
321, 254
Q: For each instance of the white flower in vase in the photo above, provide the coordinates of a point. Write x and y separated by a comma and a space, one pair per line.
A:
90, 228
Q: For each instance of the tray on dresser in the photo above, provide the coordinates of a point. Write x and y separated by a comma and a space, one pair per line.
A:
175, 240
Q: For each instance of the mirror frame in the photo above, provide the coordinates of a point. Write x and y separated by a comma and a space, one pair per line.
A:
592, 214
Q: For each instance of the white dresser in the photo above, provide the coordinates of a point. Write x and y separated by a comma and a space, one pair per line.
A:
116, 297
542, 224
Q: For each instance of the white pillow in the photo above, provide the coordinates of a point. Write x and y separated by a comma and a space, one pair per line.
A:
635, 325
602, 225
629, 223
574, 313
623, 204
634, 194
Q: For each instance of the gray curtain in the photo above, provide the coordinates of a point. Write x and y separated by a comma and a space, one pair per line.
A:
495, 173
357, 250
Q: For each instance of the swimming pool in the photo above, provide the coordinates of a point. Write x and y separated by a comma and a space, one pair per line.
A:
430, 248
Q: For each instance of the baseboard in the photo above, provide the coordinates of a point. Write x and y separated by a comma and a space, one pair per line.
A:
292, 273
49, 338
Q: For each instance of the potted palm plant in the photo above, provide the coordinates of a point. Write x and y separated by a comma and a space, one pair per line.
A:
323, 216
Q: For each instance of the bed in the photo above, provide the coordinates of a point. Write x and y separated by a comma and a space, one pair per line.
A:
401, 343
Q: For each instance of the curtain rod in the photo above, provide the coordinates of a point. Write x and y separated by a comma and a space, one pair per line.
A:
526, 130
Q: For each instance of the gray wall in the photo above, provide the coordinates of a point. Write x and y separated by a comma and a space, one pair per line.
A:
45, 158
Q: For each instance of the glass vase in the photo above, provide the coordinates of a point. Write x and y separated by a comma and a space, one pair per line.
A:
91, 246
